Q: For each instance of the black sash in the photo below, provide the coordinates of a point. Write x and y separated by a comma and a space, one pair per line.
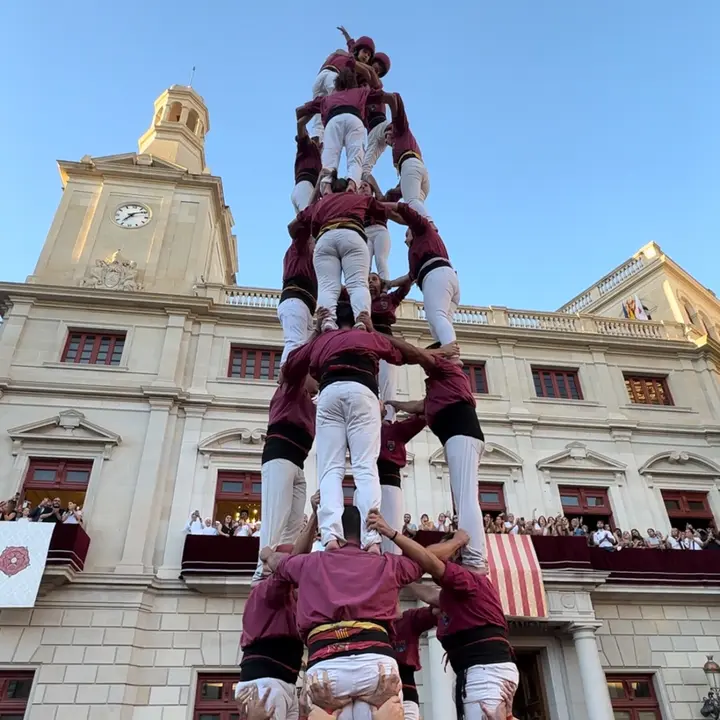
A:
343, 110
275, 657
426, 268
350, 366
389, 473
287, 441
459, 418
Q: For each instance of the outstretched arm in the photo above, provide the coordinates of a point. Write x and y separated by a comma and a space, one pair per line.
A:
416, 552
418, 356
445, 550
429, 594
306, 538
368, 74
412, 407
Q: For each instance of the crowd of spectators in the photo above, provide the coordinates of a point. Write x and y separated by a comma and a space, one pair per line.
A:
242, 526
52, 511
601, 536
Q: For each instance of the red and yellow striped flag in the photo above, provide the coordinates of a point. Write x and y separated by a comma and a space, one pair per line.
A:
515, 572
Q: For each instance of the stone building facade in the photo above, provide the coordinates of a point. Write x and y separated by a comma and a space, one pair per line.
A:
130, 355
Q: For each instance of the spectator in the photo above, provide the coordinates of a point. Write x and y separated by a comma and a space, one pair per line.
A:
40, 509
73, 515
256, 532
713, 541
52, 513
540, 527
636, 539
226, 528
653, 540
499, 524
409, 528
194, 524
9, 512
25, 516
603, 538
425, 523
577, 526
209, 528
673, 541
690, 541
443, 523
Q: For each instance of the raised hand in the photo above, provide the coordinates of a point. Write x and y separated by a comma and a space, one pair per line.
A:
253, 707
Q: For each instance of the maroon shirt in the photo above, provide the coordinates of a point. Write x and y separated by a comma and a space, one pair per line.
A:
395, 435
406, 634
357, 98
335, 207
307, 159
346, 584
385, 305
467, 600
446, 384
298, 260
339, 60
292, 403
426, 244
314, 355
269, 611
403, 140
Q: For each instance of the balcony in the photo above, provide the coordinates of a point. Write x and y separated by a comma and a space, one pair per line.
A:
224, 566
68, 550
219, 565
496, 320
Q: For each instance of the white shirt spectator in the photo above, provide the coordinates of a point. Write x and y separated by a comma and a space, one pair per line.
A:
194, 525
603, 538
674, 543
243, 530
690, 543
209, 528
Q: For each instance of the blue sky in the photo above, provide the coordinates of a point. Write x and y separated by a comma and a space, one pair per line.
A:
560, 136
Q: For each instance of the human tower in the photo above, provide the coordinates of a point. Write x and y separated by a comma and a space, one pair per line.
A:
337, 388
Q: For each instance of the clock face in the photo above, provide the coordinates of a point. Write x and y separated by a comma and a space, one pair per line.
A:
132, 216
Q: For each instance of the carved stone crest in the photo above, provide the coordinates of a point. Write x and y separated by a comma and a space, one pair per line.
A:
113, 273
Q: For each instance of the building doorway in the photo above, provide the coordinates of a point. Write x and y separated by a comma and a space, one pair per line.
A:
530, 699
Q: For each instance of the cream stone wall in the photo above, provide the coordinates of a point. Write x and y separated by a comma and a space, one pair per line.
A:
669, 640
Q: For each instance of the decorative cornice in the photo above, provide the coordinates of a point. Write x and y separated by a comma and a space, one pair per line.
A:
69, 426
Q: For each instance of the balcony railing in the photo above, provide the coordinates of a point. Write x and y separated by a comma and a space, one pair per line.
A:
645, 257
215, 564
468, 315
67, 553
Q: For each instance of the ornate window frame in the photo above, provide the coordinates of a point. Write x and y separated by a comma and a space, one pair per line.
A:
67, 435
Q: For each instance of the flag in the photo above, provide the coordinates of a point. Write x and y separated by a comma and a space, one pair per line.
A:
23, 553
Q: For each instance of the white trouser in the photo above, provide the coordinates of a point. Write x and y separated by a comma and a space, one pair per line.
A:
411, 710
462, 454
483, 685
441, 296
375, 147
283, 504
301, 194
379, 246
342, 253
415, 184
387, 385
297, 326
283, 696
353, 675
345, 131
348, 417
391, 507
324, 85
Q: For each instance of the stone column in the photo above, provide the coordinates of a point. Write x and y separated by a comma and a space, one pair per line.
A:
170, 355
144, 512
182, 492
597, 697
442, 699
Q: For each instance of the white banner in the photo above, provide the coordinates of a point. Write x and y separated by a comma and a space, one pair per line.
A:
23, 553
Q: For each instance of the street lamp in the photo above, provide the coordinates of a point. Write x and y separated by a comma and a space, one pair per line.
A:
711, 703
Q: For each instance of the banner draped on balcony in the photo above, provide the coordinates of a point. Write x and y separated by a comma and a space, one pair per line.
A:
515, 573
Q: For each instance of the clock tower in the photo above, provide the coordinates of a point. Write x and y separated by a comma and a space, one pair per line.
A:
155, 220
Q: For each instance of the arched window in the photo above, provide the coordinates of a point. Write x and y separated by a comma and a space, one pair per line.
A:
175, 112
192, 121
692, 314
